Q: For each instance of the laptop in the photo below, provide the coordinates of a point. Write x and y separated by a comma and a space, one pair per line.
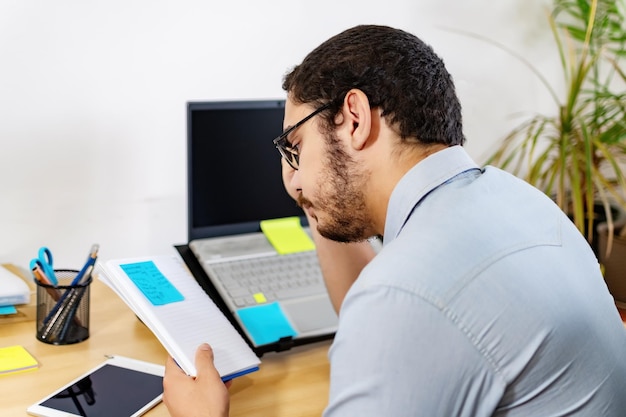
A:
234, 183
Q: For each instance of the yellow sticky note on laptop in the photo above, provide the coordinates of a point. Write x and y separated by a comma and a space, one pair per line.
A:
287, 235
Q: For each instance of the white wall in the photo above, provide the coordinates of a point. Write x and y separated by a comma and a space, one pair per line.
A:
92, 99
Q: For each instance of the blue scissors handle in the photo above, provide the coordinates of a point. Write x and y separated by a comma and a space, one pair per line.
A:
45, 261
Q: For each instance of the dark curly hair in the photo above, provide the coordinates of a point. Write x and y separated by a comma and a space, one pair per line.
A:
398, 72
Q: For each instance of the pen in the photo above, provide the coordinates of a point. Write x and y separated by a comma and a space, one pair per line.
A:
64, 309
52, 321
71, 306
68, 309
91, 260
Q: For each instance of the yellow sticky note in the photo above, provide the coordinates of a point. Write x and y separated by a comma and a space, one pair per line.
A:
15, 359
259, 298
287, 235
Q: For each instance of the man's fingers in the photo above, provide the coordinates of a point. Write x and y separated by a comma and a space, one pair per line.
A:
204, 356
171, 367
204, 362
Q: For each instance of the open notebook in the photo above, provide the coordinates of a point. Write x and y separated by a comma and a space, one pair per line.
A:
164, 295
275, 299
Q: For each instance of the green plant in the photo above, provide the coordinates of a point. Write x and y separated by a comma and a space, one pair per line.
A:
576, 155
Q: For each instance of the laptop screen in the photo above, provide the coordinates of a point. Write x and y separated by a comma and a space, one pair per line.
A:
234, 172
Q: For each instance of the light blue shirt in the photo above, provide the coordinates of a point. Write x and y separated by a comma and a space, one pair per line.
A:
484, 301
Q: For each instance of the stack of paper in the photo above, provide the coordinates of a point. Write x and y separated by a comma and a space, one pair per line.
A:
13, 289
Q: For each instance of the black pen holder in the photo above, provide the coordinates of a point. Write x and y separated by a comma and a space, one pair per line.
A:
63, 310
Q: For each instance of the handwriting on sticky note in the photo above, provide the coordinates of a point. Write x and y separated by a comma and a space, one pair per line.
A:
152, 283
287, 235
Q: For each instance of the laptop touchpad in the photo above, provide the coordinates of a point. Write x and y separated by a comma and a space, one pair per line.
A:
311, 314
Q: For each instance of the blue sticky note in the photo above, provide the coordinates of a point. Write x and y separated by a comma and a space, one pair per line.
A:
152, 283
266, 323
6, 310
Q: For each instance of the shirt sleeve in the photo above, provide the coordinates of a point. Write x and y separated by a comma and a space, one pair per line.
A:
396, 354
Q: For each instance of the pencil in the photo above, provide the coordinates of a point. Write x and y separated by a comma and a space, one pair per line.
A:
41, 277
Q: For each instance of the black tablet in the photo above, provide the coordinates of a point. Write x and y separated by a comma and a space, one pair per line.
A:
120, 387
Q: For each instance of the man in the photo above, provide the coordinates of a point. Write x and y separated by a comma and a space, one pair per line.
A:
484, 300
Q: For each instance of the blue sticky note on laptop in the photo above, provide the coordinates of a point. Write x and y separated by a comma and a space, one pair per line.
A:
152, 283
266, 323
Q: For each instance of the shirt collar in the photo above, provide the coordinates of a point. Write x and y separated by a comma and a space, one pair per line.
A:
428, 174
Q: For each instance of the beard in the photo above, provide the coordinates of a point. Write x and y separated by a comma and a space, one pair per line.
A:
340, 202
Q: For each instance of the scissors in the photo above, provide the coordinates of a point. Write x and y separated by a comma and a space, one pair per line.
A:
44, 261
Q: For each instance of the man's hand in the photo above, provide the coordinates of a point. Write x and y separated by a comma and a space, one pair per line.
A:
203, 396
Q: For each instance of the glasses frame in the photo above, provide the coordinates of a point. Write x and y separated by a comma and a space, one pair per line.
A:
288, 152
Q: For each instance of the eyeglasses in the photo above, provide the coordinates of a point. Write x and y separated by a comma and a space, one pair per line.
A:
287, 151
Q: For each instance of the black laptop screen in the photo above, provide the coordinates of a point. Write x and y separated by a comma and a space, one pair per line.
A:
234, 171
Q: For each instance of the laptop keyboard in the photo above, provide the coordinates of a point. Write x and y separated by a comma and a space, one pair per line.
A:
254, 281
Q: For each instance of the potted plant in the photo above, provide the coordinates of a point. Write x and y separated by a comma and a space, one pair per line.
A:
614, 261
576, 154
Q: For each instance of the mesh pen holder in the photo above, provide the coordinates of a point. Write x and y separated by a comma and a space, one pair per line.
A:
63, 310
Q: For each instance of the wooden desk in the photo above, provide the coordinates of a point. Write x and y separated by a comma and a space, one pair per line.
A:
292, 383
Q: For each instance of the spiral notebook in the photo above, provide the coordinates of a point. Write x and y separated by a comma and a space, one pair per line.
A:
167, 299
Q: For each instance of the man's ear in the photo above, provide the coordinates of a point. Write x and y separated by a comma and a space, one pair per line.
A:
357, 118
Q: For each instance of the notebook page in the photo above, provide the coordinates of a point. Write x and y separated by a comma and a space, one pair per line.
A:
181, 326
